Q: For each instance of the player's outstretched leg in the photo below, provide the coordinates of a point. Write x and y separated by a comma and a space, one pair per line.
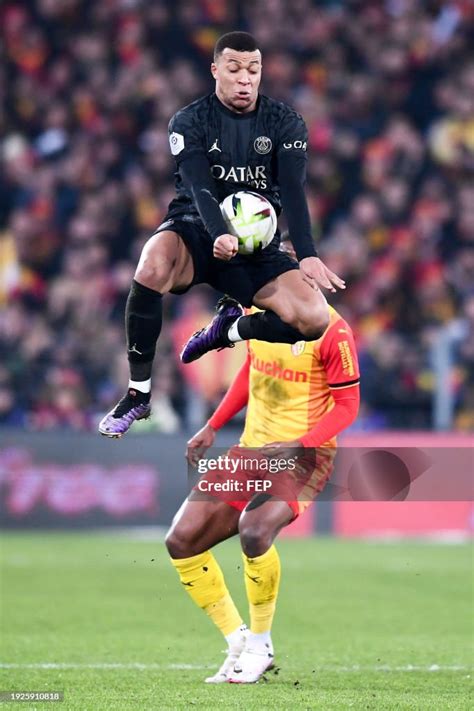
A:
164, 264
143, 318
292, 311
258, 526
263, 326
197, 527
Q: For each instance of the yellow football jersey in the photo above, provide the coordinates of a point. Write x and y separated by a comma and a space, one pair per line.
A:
290, 384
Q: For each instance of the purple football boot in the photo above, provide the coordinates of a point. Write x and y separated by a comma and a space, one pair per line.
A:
215, 334
133, 406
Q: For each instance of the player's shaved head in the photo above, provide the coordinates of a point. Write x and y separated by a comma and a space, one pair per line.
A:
238, 41
237, 69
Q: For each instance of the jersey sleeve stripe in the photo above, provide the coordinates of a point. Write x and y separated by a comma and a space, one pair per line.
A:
348, 384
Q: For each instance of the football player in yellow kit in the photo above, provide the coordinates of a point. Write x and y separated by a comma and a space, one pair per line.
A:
297, 396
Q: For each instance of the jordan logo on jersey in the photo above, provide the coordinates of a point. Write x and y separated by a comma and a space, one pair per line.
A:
215, 147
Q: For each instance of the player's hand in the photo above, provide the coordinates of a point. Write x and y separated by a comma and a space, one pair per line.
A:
199, 444
316, 273
283, 450
225, 247
299, 460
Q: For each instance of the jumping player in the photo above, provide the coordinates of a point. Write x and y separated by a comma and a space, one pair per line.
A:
306, 393
233, 139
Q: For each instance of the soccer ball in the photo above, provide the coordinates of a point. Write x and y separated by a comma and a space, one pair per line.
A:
251, 218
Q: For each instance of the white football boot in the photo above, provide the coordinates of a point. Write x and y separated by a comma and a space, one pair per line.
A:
233, 653
252, 664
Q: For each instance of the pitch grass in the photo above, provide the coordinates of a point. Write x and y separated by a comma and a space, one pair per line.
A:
101, 599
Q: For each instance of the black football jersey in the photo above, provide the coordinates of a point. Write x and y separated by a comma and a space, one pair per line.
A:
242, 149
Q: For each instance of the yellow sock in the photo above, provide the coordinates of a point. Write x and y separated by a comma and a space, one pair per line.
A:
202, 577
262, 580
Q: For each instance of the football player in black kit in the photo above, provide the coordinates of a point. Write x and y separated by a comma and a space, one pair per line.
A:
235, 139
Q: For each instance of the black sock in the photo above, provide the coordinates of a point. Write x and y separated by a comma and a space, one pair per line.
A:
143, 317
267, 326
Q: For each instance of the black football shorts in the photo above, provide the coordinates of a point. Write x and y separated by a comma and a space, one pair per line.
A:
242, 276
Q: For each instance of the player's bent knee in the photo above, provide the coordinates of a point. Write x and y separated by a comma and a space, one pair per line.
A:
179, 543
153, 274
313, 322
286, 313
255, 539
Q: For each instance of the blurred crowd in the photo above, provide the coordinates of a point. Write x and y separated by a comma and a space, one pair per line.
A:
86, 92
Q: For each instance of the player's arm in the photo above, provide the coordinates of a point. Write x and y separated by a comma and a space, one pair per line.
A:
339, 357
187, 146
233, 401
343, 414
292, 158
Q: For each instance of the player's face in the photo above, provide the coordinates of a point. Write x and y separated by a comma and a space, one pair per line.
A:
237, 76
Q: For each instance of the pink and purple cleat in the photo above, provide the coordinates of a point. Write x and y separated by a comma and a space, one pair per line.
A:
132, 407
136, 405
214, 336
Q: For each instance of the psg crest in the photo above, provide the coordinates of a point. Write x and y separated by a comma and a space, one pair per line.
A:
262, 145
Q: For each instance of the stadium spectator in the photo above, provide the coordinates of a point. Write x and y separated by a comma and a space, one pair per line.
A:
88, 88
